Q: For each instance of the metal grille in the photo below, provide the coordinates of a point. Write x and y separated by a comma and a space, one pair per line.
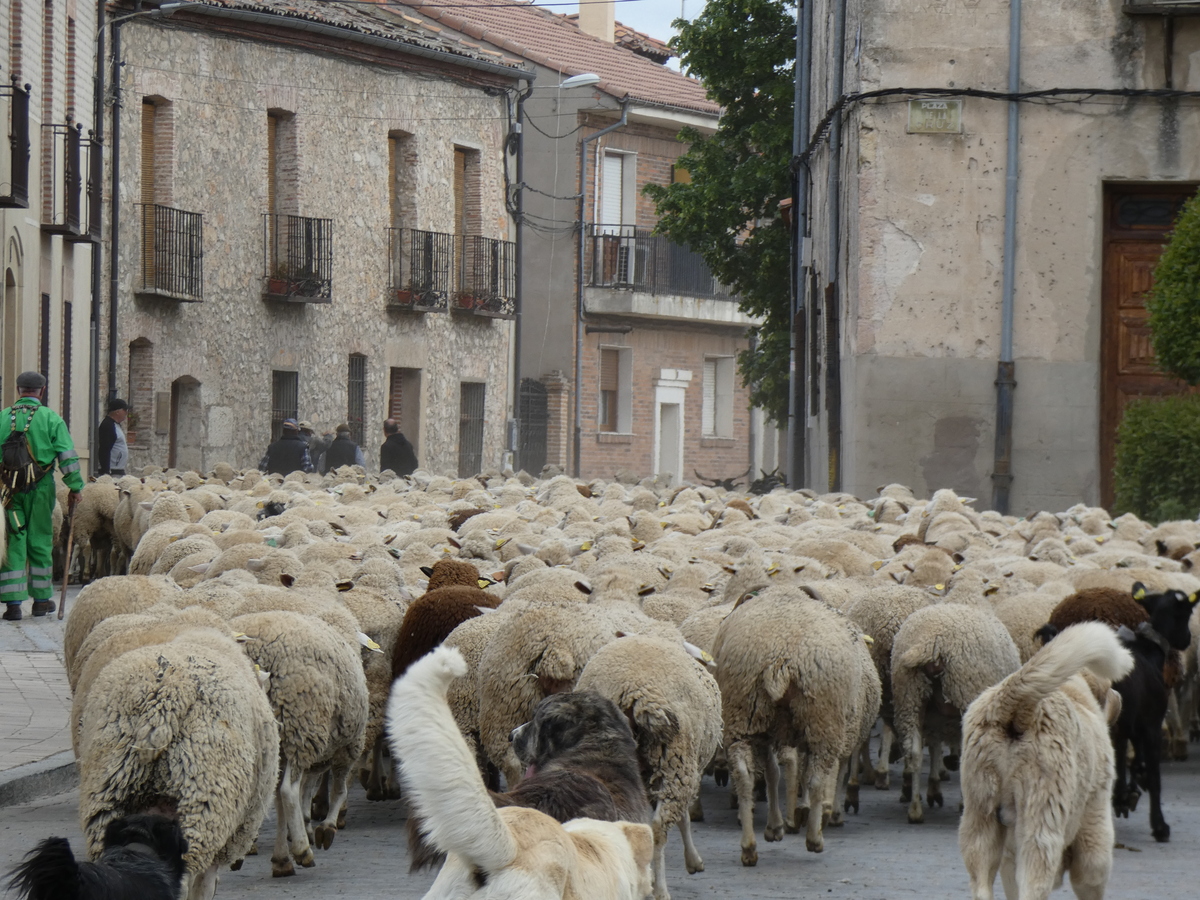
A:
487, 276
44, 343
65, 393
396, 394
298, 258
356, 396
535, 424
14, 190
64, 179
422, 269
172, 252
91, 208
625, 256
285, 400
470, 429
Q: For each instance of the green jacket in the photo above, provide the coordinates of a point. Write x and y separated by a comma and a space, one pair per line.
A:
49, 439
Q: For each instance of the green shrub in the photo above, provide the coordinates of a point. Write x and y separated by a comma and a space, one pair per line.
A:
1158, 459
1174, 301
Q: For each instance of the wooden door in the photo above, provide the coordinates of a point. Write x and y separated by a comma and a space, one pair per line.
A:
1137, 223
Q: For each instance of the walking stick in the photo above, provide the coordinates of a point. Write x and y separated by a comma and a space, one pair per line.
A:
62, 602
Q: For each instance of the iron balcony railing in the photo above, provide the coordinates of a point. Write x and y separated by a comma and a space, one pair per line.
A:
432, 271
421, 267
14, 153
631, 258
172, 253
297, 258
62, 178
487, 276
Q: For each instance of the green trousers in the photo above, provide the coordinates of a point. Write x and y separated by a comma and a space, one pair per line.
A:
30, 542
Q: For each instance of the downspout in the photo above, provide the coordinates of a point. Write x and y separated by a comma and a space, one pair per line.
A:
797, 413
97, 263
579, 314
1006, 384
833, 373
114, 236
518, 302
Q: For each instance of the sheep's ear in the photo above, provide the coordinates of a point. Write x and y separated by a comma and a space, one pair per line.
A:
500, 543
286, 580
146, 504
344, 586
910, 567
877, 565
898, 578
1139, 591
527, 549
453, 543
1161, 545
583, 586
730, 569
1186, 564
645, 590
428, 570
366, 641
664, 571
773, 570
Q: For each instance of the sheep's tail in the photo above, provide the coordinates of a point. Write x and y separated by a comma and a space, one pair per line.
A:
438, 769
1088, 645
49, 872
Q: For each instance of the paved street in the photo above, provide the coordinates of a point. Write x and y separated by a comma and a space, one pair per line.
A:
877, 856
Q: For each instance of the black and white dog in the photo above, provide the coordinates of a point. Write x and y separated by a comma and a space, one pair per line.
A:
142, 860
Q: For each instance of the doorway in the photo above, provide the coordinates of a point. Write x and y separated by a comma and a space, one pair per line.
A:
186, 449
1137, 221
670, 433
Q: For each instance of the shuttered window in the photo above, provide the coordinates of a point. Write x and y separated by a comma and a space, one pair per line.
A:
610, 369
64, 391
717, 411
612, 185
149, 156
460, 191
396, 394
708, 416
272, 161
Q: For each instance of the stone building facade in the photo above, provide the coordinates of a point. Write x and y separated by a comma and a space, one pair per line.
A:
345, 164
46, 104
902, 387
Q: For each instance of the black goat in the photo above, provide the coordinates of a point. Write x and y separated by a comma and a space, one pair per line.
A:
1144, 699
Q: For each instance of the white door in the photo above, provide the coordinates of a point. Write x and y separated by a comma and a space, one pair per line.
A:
670, 439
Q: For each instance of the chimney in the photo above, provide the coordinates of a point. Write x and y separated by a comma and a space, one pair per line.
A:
597, 19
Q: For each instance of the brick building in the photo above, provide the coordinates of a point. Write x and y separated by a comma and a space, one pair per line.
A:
49, 208
310, 222
658, 337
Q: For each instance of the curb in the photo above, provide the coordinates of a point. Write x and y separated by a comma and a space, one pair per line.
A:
32, 781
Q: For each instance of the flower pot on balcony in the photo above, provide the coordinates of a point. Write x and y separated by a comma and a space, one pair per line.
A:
402, 297
277, 286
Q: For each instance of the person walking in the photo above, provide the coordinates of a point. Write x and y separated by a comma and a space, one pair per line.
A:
317, 444
342, 452
288, 454
112, 453
396, 453
29, 506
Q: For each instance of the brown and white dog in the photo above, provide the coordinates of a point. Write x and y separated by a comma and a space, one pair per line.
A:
512, 853
1037, 770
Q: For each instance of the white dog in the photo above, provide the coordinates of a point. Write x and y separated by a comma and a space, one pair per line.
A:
1037, 771
499, 854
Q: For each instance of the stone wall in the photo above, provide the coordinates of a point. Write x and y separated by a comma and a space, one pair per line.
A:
224, 349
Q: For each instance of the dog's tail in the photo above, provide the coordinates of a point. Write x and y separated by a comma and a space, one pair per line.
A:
49, 872
439, 771
1088, 645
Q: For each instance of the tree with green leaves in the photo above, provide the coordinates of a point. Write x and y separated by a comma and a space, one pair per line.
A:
1174, 302
744, 52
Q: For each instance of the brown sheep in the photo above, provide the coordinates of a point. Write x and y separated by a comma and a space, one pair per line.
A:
431, 618
446, 572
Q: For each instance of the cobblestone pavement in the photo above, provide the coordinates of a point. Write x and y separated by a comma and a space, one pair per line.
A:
876, 856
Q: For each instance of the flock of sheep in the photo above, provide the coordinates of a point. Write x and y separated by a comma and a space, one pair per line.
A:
241, 648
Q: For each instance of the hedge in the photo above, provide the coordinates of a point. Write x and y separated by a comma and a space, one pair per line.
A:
1158, 459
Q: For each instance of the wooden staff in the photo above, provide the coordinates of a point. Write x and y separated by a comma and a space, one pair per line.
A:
62, 603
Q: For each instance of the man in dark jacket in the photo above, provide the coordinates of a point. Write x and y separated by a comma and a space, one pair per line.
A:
112, 454
396, 453
288, 454
342, 452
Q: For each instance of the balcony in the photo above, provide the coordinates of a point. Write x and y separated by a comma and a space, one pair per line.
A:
62, 179
1162, 7
172, 243
297, 259
14, 154
421, 267
486, 277
630, 272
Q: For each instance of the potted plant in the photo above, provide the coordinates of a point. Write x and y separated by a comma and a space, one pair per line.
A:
277, 282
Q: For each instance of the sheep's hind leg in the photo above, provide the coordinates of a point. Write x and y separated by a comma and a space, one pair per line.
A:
912, 777
742, 772
338, 779
841, 803
933, 787
661, 828
281, 863
791, 790
822, 775
375, 779
204, 884
882, 772
289, 786
774, 830
691, 856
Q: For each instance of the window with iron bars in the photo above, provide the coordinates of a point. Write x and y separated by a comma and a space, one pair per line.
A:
285, 400
356, 396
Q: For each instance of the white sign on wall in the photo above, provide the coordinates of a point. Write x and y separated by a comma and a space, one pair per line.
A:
935, 116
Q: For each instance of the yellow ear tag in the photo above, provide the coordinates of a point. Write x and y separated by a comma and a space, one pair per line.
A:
877, 565
939, 587
1192, 597
260, 504
585, 546
868, 639
1139, 594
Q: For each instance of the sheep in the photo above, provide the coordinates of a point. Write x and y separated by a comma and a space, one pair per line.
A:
538, 650
318, 692
789, 676
109, 597
943, 657
182, 728
674, 707
471, 638
1023, 615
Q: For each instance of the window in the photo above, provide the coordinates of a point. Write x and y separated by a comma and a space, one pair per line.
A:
610, 363
285, 399
282, 172
404, 401
141, 387
356, 396
470, 428
402, 167
467, 201
717, 414
44, 344
615, 412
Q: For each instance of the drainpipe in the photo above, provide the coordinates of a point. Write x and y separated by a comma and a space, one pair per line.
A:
97, 262
114, 235
519, 274
833, 397
579, 315
797, 413
1006, 368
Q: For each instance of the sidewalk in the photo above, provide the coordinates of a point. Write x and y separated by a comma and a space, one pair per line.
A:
35, 744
